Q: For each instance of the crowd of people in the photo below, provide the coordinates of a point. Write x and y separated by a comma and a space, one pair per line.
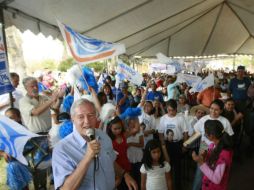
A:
138, 135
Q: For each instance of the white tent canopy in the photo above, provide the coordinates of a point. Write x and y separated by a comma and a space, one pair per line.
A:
146, 27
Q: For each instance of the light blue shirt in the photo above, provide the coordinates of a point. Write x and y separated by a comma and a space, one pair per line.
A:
173, 93
71, 150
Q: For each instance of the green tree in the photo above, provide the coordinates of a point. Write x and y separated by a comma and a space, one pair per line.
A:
49, 64
97, 66
65, 64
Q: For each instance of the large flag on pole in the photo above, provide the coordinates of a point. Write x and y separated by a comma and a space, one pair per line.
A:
13, 138
205, 83
129, 73
85, 49
5, 83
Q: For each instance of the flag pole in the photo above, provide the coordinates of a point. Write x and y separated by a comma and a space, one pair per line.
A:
116, 59
83, 77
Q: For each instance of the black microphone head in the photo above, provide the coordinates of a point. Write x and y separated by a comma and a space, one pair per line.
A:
90, 133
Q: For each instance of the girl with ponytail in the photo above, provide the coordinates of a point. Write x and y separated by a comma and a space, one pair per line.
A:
216, 163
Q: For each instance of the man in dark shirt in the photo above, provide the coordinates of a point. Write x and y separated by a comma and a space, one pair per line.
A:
238, 87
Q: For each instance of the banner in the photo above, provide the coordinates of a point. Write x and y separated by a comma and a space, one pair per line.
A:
173, 65
205, 83
170, 70
129, 73
162, 68
13, 138
190, 80
5, 83
85, 49
157, 67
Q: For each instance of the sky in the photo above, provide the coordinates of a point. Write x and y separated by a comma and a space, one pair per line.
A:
38, 47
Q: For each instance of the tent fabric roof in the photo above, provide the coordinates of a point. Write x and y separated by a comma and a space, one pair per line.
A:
146, 27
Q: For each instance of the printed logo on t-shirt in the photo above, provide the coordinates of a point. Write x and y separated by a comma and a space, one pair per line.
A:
241, 86
170, 126
170, 135
169, 131
146, 122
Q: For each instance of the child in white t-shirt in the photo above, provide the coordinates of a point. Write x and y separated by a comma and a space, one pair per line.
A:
135, 144
148, 119
155, 171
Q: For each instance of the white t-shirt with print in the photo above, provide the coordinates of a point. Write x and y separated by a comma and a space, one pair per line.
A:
155, 177
177, 124
149, 121
200, 127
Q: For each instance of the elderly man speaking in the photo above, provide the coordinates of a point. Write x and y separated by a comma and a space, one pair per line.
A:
82, 164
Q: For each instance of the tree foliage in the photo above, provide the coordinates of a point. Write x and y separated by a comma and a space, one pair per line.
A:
97, 66
65, 64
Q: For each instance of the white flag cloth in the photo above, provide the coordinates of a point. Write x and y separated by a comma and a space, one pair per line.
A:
163, 59
173, 65
170, 70
87, 50
129, 73
13, 138
190, 80
76, 94
205, 83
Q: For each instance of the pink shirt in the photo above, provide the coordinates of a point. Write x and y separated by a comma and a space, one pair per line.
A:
217, 178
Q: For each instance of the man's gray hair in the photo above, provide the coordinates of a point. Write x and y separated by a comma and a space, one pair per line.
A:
79, 102
27, 79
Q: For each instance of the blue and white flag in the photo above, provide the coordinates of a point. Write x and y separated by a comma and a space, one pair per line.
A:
5, 83
119, 79
13, 138
85, 49
205, 83
102, 80
129, 73
190, 80
88, 75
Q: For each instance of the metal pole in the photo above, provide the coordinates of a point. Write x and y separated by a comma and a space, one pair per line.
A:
234, 63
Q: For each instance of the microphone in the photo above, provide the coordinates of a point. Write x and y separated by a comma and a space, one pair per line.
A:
90, 133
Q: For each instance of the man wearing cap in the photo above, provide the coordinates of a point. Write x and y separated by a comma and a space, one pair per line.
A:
238, 87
